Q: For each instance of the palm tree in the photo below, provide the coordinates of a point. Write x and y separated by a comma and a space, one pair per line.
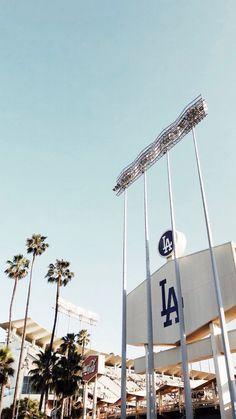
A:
66, 371
41, 375
68, 344
6, 370
37, 246
60, 274
67, 378
17, 269
83, 340
68, 348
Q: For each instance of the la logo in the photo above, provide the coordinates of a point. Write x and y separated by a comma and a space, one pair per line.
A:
169, 305
167, 244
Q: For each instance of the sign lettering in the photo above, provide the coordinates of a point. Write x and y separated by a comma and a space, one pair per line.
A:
169, 305
166, 244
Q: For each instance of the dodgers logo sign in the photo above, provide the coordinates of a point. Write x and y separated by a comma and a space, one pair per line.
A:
90, 367
166, 244
169, 304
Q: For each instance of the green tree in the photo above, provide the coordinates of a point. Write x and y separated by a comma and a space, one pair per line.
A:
17, 269
60, 274
36, 246
68, 344
83, 340
6, 370
66, 372
41, 374
28, 409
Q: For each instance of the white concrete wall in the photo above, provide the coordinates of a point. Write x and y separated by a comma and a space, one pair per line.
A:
198, 294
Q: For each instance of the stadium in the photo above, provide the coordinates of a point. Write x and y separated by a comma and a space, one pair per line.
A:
209, 385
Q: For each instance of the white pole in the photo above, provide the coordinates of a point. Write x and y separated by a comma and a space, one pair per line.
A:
85, 395
152, 390
94, 413
187, 387
147, 381
225, 338
124, 315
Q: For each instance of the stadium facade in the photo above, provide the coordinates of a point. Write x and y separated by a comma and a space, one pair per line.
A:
210, 392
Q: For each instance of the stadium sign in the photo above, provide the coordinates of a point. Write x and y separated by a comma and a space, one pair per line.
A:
169, 304
92, 366
166, 244
198, 298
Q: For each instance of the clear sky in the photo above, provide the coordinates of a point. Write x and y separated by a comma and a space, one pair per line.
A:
84, 87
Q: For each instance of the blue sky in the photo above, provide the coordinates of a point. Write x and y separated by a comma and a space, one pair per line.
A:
84, 87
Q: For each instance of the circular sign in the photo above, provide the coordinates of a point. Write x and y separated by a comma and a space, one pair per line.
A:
166, 244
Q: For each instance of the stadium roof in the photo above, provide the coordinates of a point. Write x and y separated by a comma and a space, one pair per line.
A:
39, 336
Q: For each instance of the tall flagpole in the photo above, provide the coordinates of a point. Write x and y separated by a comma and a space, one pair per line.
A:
187, 387
124, 313
151, 396
225, 338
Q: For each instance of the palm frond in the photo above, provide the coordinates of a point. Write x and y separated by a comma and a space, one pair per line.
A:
59, 272
36, 244
18, 267
6, 360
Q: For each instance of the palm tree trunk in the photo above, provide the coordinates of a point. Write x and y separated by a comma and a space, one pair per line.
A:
41, 400
10, 311
83, 349
8, 338
62, 408
70, 406
82, 355
1, 397
55, 317
44, 389
22, 341
46, 398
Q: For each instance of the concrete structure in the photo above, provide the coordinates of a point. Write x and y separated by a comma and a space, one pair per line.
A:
200, 313
204, 342
36, 339
109, 383
198, 296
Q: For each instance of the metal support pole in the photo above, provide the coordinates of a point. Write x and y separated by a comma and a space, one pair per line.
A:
187, 387
225, 338
147, 381
124, 314
85, 396
152, 390
94, 412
